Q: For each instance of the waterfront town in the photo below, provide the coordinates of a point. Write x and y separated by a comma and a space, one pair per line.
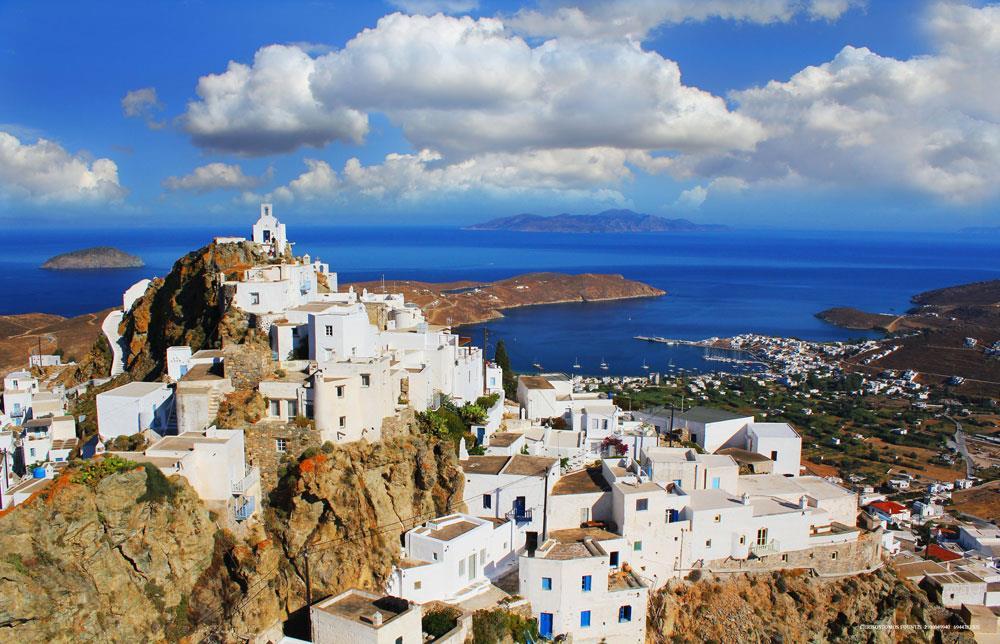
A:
582, 496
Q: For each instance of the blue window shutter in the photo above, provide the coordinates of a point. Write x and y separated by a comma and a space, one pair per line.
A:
585, 618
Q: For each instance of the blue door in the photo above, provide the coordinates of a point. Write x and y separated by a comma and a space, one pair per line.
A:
480, 435
519, 504
545, 625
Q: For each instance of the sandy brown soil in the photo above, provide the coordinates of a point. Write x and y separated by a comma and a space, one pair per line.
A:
982, 501
20, 336
482, 301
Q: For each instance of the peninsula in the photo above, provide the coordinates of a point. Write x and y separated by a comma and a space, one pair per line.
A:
459, 303
93, 258
951, 334
608, 221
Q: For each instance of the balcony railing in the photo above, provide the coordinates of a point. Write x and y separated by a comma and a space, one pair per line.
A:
245, 509
760, 550
247, 482
520, 516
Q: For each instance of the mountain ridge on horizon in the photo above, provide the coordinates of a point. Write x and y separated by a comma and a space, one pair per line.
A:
606, 221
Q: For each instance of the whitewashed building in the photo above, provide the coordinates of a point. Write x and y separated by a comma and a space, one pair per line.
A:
134, 408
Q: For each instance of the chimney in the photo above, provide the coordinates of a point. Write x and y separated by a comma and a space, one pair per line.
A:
803, 502
746, 499
377, 619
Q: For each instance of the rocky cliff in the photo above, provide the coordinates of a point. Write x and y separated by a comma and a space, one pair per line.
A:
106, 559
186, 307
794, 607
100, 562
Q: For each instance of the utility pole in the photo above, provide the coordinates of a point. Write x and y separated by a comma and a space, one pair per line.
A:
305, 557
486, 335
671, 434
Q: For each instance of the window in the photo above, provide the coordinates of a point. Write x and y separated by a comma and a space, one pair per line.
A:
694, 438
833, 555
417, 584
716, 482
585, 583
743, 540
637, 546
255, 298
461, 567
613, 559
624, 614
275, 408
308, 410
708, 543
784, 557
604, 423
584, 619
546, 583
762, 537
487, 501
718, 518
435, 556
366, 380
641, 505
343, 421
774, 455
672, 516
293, 408
329, 330
32, 452
340, 391
677, 482
280, 445
399, 640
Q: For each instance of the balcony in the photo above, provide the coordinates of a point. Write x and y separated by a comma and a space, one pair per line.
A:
247, 482
245, 509
520, 515
763, 549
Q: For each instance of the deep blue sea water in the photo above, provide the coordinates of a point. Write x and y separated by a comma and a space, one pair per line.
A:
718, 284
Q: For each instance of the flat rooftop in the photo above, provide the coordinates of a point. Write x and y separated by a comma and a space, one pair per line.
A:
920, 569
709, 415
536, 382
522, 465
587, 481
484, 464
185, 442
135, 390
774, 430
504, 439
573, 535
200, 372
452, 530
743, 455
207, 353
778, 485
359, 606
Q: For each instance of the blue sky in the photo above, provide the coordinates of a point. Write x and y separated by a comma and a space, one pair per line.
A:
784, 113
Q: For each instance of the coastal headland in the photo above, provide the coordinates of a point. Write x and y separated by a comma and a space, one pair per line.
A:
950, 334
464, 302
453, 303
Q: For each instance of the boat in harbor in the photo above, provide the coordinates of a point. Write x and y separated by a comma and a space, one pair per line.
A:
604, 365
576, 363
644, 365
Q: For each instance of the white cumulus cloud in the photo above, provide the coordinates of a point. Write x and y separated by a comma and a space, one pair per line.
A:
268, 107
214, 176
602, 19
928, 125
45, 173
463, 87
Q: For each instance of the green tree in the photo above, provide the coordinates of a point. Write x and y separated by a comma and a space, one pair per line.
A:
509, 377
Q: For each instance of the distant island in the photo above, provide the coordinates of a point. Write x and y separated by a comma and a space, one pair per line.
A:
608, 221
459, 303
92, 258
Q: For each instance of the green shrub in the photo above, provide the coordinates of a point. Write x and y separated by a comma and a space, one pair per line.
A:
437, 623
497, 625
93, 471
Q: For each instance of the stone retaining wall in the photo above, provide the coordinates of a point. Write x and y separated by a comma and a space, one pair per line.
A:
841, 558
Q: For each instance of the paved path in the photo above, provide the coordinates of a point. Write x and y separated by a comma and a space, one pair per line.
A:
962, 448
110, 329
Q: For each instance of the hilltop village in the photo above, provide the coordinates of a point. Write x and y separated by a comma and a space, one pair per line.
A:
547, 508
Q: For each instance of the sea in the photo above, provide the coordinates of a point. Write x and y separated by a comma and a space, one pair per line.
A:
718, 284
